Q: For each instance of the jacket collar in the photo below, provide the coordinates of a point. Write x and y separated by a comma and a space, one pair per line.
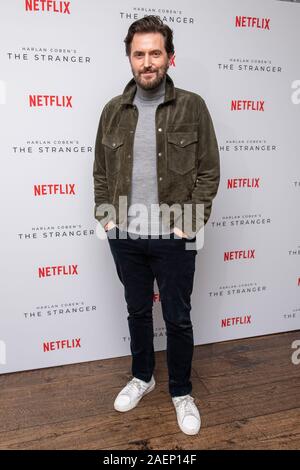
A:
130, 89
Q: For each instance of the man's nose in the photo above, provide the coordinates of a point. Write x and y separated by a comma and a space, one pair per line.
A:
147, 61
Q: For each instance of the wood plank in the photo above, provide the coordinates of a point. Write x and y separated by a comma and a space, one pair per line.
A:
248, 392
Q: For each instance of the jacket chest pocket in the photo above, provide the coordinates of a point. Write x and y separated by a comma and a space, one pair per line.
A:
113, 149
182, 148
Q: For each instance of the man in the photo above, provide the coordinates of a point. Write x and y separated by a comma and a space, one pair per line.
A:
157, 148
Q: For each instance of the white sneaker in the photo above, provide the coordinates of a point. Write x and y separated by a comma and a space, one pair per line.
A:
131, 394
188, 416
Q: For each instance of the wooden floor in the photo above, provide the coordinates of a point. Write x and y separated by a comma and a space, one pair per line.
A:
248, 392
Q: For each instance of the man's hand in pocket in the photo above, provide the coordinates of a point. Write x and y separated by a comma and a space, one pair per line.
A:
109, 225
180, 233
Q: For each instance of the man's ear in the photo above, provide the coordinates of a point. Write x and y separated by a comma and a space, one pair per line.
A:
170, 57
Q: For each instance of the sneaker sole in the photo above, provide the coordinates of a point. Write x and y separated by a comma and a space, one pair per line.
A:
130, 407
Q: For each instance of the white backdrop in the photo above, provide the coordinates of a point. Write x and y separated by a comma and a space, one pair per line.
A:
226, 51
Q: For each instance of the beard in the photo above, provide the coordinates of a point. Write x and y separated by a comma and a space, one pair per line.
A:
153, 81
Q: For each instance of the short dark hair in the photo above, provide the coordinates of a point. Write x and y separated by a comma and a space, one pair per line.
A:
150, 24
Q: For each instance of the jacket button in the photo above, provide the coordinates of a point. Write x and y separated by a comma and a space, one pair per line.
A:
129, 156
159, 154
159, 129
114, 144
182, 142
160, 178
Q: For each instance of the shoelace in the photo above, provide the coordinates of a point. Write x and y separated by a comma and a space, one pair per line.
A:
185, 404
135, 383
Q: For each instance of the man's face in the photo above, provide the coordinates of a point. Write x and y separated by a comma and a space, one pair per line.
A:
148, 59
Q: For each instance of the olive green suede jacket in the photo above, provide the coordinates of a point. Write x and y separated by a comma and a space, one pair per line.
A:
188, 164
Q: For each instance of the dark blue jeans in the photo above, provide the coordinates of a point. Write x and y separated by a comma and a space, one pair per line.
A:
138, 262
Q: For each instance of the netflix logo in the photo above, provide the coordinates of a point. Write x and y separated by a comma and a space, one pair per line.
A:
50, 271
252, 22
52, 189
233, 321
50, 101
247, 105
48, 5
61, 344
239, 254
233, 183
